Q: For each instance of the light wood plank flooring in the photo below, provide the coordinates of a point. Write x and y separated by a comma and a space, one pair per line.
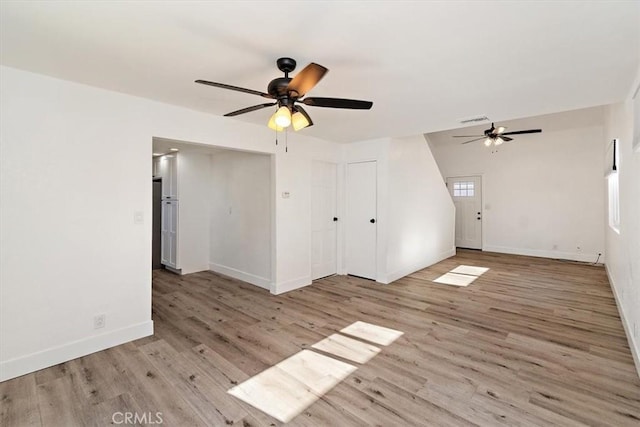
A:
530, 342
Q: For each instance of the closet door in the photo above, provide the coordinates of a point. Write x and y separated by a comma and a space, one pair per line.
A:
361, 221
324, 219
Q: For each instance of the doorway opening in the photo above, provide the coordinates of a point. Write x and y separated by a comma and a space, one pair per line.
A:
214, 212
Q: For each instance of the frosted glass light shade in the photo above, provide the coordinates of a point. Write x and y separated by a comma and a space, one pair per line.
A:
488, 142
498, 141
299, 121
272, 124
283, 117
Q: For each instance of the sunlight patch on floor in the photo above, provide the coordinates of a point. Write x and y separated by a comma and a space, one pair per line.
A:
372, 333
288, 388
347, 348
470, 270
462, 275
455, 279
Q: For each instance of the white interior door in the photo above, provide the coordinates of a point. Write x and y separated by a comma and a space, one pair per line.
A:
324, 236
361, 220
466, 192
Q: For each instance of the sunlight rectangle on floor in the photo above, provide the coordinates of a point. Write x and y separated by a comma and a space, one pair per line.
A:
455, 279
347, 348
470, 270
373, 333
288, 388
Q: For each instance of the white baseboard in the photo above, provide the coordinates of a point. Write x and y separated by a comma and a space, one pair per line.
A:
173, 270
392, 277
192, 270
52, 356
241, 275
572, 256
291, 285
628, 330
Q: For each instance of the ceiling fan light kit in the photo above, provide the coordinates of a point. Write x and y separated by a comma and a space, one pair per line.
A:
287, 91
282, 117
496, 136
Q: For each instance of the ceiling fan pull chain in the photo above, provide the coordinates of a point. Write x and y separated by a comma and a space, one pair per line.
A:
286, 140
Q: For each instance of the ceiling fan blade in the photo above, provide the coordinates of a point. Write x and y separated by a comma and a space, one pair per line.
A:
306, 79
250, 109
521, 132
467, 136
474, 140
506, 138
236, 88
352, 104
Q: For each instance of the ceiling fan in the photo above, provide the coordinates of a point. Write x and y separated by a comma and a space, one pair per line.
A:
496, 135
287, 94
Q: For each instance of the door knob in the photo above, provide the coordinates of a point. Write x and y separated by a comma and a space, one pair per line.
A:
372, 221
335, 219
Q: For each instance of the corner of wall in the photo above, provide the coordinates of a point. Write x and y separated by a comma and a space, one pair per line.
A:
290, 285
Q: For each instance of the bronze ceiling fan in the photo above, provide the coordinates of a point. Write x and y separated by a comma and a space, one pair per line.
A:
496, 135
288, 94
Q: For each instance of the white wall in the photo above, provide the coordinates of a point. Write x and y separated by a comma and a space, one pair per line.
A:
542, 193
421, 214
240, 194
623, 248
193, 216
415, 215
69, 248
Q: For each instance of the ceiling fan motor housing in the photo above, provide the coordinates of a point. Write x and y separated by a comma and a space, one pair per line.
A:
278, 87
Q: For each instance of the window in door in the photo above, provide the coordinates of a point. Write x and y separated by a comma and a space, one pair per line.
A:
463, 189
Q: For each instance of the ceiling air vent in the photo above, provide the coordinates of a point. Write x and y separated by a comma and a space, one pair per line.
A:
475, 119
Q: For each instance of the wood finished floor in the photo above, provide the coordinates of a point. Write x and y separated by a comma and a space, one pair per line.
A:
531, 342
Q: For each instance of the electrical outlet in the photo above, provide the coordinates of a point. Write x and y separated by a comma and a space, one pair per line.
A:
138, 217
99, 321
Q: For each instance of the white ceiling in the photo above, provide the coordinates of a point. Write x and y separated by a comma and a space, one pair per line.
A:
423, 64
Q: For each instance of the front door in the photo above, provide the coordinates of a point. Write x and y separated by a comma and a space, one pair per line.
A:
466, 192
